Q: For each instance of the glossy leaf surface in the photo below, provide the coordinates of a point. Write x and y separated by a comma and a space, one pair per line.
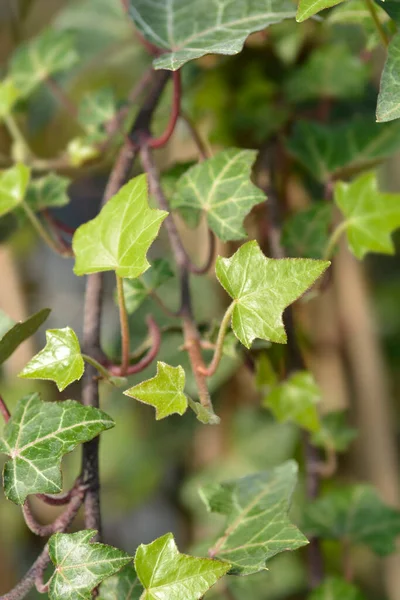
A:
124, 585
389, 95
308, 8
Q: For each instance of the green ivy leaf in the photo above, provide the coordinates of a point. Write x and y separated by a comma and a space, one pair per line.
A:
166, 573
36, 438
262, 288
306, 233
203, 414
336, 588
221, 187
60, 361
20, 332
355, 513
388, 99
257, 525
308, 8
296, 400
48, 191
97, 108
50, 53
13, 185
164, 391
119, 237
357, 13
334, 432
330, 151
125, 585
370, 216
188, 29
137, 290
81, 150
80, 565
332, 71
8, 97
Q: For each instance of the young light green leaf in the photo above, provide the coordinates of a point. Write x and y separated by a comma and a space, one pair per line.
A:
335, 432
119, 237
97, 108
296, 400
125, 585
20, 332
137, 290
188, 29
13, 185
355, 513
82, 149
47, 191
203, 414
370, 216
60, 361
166, 573
164, 391
330, 151
388, 99
221, 187
257, 525
306, 233
335, 588
262, 288
50, 53
8, 97
308, 8
80, 565
36, 438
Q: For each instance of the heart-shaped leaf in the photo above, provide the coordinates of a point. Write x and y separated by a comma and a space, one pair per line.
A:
262, 288
335, 432
8, 97
137, 290
257, 525
36, 438
388, 100
13, 185
47, 191
370, 216
189, 29
119, 237
20, 332
125, 585
221, 187
306, 233
335, 588
80, 565
165, 573
164, 391
308, 8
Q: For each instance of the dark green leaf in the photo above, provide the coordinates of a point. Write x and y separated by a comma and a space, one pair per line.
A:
48, 191
13, 185
306, 233
136, 291
125, 585
20, 332
335, 588
6, 323
389, 94
335, 432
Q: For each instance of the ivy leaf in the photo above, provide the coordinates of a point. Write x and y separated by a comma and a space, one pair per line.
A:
20, 332
262, 288
335, 587
221, 187
388, 99
306, 233
81, 150
36, 438
48, 191
330, 151
257, 525
120, 236
97, 108
355, 513
60, 361
137, 290
296, 400
80, 565
124, 585
189, 29
164, 391
370, 215
46, 55
334, 432
166, 573
8, 97
203, 414
308, 8
13, 185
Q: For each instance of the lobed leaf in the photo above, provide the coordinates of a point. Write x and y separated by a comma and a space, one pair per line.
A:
21, 331
137, 290
47, 192
306, 233
388, 99
13, 185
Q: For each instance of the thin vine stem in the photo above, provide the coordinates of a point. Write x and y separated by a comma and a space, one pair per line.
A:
204, 152
148, 358
124, 323
219, 346
65, 252
379, 27
334, 238
160, 141
5, 413
17, 135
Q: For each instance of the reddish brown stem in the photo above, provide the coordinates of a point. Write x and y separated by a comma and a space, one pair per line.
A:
5, 413
155, 334
57, 224
175, 110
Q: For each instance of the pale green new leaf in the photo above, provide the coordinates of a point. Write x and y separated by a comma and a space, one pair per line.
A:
60, 361
48, 54
164, 391
8, 97
357, 514
389, 94
308, 8
370, 215
189, 29
262, 288
137, 290
48, 191
335, 588
335, 432
97, 108
203, 414
13, 185
296, 400
221, 188
21, 331
257, 525
80, 565
305, 234
166, 573
36, 438
125, 585
119, 237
